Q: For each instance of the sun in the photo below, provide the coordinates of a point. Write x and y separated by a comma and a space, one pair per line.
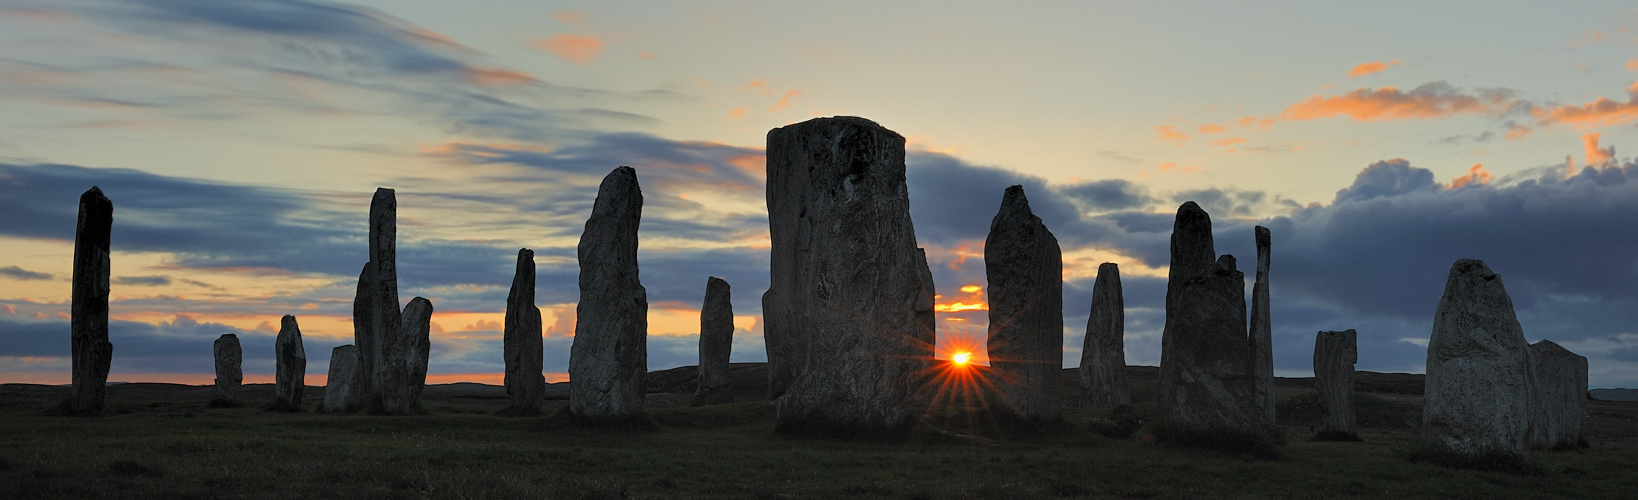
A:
961, 358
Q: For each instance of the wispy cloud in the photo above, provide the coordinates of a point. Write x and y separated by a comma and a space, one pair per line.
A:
1429, 100
1169, 133
578, 49
1602, 112
18, 273
1371, 67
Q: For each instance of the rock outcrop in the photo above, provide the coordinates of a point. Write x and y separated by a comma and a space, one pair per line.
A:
1560, 381
1262, 335
230, 359
88, 321
523, 347
716, 342
1103, 350
289, 364
1477, 394
1205, 358
1026, 333
609, 359
1335, 354
342, 393
417, 322
842, 325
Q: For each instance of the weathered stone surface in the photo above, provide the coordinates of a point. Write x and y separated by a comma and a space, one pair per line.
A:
523, 347
342, 393
88, 323
1025, 270
417, 321
388, 365
1103, 350
1335, 354
716, 343
1262, 335
1560, 381
289, 363
1205, 356
609, 359
364, 337
229, 358
927, 334
841, 309
1478, 385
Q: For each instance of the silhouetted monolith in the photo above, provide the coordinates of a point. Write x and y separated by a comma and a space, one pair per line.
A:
88, 322
927, 334
1477, 395
229, 361
1335, 354
388, 365
609, 360
523, 347
716, 342
1262, 335
342, 393
1103, 351
417, 322
289, 364
364, 338
1560, 381
1025, 270
842, 326
1205, 356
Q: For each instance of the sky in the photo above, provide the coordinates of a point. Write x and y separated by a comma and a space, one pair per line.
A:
241, 141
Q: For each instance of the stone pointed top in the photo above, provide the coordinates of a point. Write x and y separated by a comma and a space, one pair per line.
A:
713, 283
1015, 211
1262, 236
618, 192
523, 282
1192, 247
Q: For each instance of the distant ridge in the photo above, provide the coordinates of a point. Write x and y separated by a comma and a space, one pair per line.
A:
1614, 394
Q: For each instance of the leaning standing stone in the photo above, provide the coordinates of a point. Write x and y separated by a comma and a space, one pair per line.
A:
341, 391
716, 342
608, 363
1335, 354
417, 321
290, 364
523, 347
1262, 334
88, 324
1205, 354
1560, 398
1026, 334
1103, 351
229, 361
1478, 385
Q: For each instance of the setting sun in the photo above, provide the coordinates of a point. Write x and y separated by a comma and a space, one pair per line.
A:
961, 358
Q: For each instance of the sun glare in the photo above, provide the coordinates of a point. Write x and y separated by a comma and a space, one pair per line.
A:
961, 358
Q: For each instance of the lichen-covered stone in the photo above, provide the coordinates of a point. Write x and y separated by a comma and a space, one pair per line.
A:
1205, 358
716, 343
1026, 319
229, 358
1262, 335
523, 347
1560, 381
92, 354
608, 362
1477, 394
289, 363
1103, 350
342, 393
1335, 354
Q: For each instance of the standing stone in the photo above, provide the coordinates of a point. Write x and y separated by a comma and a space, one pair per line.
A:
716, 342
1478, 384
88, 324
342, 393
1335, 354
523, 347
1103, 351
608, 363
1262, 335
417, 321
927, 334
1205, 356
229, 360
1025, 270
1560, 398
364, 338
841, 308
289, 363
389, 377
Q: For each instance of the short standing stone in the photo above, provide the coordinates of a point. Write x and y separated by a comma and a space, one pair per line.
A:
88, 323
289, 363
1477, 395
608, 363
1262, 334
229, 361
417, 321
1560, 398
716, 342
342, 392
1335, 354
523, 347
1205, 354
1103, 351
1026, 335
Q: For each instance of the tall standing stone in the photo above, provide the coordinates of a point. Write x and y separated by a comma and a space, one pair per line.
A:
1262, 335
289, 364
364, 338
523, 347
389, 370
716, 343
229, 358
1560, 380
342, 392
608, 362
1477, 394
1103, 351
1335, 354
1025, 270
88, 323
1205, 356
417, 322
842, 328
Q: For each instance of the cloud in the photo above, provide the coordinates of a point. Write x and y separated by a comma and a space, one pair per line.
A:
785, 100
18, 273
1596, 156
1602, 112
1387, 178
578, 49
1212, 128
571, 17
1229, 141
142, 280
1169, 133
1476, 176
1371, 67
1632, 64
1429, 100
737, 113
1108, 195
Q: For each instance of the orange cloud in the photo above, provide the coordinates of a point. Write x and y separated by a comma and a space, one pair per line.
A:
760, 86
1632, 64
1515, 131
578, 49
1602, 112
737, 113
785, 100
1169, 133
1371, 67
1185, 169
1430, 100
970, 299
648, 55
1212, 128
1261, 123
569, 16
490, 77
1228, 142
1476, 175
1597, 156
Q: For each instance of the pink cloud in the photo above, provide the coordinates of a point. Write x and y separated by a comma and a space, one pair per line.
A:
1601, 112
1597, 156
1430, 100
1476, 175
785, 100
578, 49
1212, 128
1371, 67
1169, 133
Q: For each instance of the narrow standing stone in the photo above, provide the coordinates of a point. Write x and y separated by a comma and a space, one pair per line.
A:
1103, 351
1335, 354
290, 364
608, 363
716, 342
417, 322
1205, 356
523, 347
1560, 380
1025, 270
364, 338
927, 333
88, 324
1477, 395
389, 377
1262, 335
229, 361
342, 392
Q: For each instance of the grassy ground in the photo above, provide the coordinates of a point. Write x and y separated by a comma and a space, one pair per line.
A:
161, 441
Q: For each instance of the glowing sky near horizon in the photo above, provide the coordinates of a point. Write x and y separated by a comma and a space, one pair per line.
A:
240, 142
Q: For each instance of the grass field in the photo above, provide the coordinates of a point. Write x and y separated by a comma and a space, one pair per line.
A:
161, 441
